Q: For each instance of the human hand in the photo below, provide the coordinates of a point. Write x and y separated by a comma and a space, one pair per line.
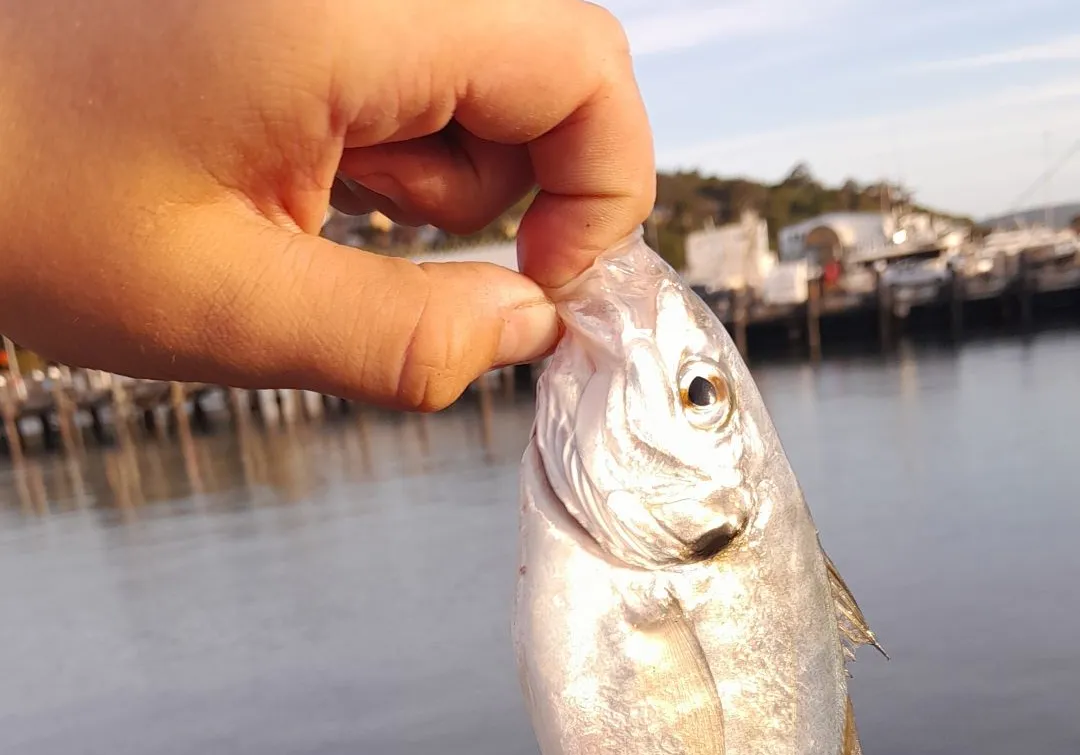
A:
167, 165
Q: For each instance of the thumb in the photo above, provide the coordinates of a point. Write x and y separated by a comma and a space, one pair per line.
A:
288, 309
300, 309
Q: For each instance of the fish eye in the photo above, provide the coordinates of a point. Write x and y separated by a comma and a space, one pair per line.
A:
705, 393
701, 393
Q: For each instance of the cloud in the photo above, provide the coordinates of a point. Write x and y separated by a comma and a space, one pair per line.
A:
931, 123
1062, 49
690, 23
972, 155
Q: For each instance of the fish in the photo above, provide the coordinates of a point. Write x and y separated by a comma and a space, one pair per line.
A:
673, 596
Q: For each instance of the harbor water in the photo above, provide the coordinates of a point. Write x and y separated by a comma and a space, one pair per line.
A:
345, 586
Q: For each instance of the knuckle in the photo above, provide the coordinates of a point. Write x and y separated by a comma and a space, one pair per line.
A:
429, 378
426, 387
414, 388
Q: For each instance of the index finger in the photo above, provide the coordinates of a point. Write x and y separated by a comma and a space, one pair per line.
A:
555, 75
565, 74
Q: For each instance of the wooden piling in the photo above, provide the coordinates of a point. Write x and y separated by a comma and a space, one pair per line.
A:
15, 394
30, 486
1025, 292
187, 440
268, 407
66, 411
177, 404
1004, 298
239, 404
121, 414
813, 318
885, 314
73, 408
10, 412
486, 413
161, 416
364, 438
509, 375
423, 433
956, 305
313, 405
124, 478
740, 312
290, 405
65, 419
78, 482
18, 384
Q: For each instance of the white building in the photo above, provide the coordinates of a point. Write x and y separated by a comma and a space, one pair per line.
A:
861, 236
729, 257
836, 235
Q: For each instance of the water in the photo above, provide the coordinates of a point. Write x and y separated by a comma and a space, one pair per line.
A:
346, 588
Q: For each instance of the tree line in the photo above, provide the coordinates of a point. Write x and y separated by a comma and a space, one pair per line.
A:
688, 201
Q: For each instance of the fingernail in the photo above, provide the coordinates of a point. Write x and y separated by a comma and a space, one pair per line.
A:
529, 332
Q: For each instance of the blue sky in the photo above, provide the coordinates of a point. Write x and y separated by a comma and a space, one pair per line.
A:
961, 100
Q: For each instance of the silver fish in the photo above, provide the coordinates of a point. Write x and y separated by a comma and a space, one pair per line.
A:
673, 596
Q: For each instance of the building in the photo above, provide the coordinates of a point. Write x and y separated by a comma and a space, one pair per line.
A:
835, 236
729, 257
858, 236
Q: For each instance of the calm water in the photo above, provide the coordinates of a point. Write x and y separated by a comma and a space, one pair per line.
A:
346, 588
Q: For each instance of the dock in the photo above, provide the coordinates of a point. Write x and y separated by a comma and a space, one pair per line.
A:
794, 310
60, 408
878, 306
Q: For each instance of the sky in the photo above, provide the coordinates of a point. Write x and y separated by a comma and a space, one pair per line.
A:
965, 102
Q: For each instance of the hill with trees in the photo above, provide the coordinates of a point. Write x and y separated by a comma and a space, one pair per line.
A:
686, 202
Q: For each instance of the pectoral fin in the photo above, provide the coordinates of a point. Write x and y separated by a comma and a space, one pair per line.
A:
678, 688
854, 629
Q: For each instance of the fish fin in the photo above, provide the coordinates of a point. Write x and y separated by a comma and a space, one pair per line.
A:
854, 629
852, 746
681, 672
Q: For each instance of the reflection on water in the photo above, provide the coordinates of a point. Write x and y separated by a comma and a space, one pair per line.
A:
286, 463
345, 586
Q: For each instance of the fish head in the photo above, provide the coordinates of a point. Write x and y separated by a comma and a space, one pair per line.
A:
647, 416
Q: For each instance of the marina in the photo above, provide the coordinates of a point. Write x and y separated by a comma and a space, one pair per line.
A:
954, 294
660, 379
938, 287
843, 282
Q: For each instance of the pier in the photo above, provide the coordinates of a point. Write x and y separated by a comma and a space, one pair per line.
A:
925, 294
60, 408
1002, 293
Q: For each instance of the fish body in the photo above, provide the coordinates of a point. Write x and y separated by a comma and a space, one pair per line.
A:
673, 596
